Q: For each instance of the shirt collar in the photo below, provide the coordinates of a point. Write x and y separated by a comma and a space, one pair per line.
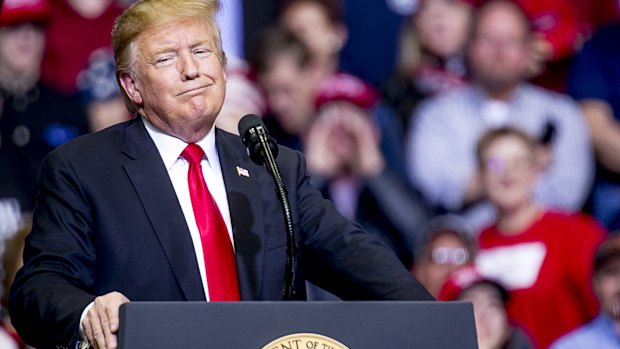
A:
517, 94
170, 147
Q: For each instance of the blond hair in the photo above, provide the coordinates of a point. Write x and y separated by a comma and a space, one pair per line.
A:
146, 14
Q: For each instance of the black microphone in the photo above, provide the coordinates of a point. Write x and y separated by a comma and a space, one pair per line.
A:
256, 138
263, 150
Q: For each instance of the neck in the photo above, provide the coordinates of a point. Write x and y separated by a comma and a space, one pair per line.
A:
514, 221
183, 131
500, 93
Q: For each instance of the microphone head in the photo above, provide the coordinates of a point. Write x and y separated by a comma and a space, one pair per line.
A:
256, 138
246, 123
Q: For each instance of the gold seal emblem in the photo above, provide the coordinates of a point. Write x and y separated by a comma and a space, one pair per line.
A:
305, 341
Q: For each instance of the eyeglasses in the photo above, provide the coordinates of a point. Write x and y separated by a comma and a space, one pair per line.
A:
450, 255
497, 165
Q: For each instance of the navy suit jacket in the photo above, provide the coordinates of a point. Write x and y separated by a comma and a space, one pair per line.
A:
107, 219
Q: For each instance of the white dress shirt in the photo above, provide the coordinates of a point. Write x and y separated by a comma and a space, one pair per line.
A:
170, 149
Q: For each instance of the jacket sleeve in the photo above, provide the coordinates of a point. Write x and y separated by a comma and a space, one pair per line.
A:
51, 290
339, 256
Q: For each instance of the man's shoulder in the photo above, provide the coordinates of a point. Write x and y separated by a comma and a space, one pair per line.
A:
94, 145
458, 104
579, 337
547, 97
456, 97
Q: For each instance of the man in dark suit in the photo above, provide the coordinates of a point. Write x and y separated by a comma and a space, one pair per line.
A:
117, 219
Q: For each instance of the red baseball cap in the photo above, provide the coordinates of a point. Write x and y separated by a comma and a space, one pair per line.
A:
22, 11
345, 87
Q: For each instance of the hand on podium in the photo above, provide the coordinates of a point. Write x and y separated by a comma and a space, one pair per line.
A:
102, 320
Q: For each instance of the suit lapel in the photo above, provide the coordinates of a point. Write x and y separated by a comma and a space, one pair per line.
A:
152, 183
246, 215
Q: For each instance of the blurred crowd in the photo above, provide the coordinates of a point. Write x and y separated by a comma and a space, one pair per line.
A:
479, 139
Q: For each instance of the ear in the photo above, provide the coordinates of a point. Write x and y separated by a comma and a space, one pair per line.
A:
131, 87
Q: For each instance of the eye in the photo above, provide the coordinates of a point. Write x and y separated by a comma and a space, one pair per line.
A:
163, 61
202, 52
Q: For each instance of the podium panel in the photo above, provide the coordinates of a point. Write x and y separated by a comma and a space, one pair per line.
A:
297, 325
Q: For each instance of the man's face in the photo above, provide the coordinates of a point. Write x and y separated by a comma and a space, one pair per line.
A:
21, 48
443, 26
607, 288
509, 172
177, 81
445, 254
310, 24
499, 52
290, 92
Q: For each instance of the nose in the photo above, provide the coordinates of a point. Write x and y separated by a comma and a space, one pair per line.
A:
189, 67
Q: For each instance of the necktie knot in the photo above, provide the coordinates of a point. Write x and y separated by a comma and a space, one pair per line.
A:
193, 153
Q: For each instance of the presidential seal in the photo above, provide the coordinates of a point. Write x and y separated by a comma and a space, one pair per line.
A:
305, 341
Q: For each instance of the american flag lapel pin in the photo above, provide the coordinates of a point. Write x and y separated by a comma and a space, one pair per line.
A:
243, 172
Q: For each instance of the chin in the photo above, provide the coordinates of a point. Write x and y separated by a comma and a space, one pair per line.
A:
506, 202
510, 206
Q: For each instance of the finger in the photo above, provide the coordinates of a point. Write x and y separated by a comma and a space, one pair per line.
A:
113, 312
109, 338
97, 335
88, 332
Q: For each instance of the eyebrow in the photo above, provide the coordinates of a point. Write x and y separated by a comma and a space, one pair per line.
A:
172, 47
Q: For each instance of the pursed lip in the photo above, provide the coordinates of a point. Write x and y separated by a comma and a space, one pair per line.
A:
195, 89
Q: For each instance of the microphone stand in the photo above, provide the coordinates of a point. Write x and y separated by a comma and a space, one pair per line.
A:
291, 247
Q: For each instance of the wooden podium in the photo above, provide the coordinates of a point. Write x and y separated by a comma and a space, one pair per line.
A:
297, 325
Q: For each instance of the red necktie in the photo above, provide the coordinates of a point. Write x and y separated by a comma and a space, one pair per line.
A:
218, 252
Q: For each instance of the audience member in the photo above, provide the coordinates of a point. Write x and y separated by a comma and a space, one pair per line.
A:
76, 29
284, 70
35, 119
319, 25
445, 247
594, 83
489, 298
99, 92
542, 257
431, 54
349, 164
604, 331
442, 139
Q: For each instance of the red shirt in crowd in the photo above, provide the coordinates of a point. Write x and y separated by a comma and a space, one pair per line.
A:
547, 270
